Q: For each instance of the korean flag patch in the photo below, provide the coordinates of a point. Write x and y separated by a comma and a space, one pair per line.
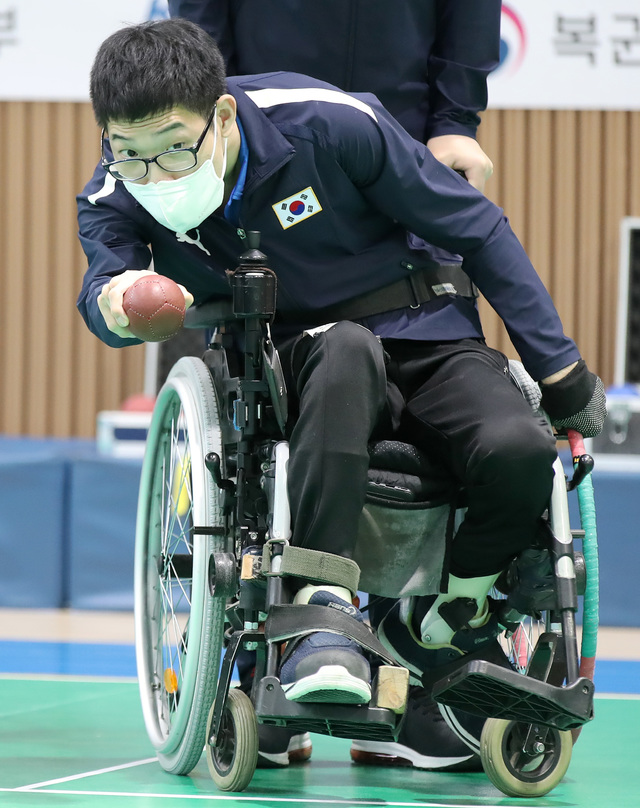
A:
297, 208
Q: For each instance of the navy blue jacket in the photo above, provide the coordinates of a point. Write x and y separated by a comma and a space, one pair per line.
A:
373, 183
426, 60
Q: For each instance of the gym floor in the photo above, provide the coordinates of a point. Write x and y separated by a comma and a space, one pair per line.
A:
72, 735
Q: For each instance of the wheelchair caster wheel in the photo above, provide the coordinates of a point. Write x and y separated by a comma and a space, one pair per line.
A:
233, 760
516, 771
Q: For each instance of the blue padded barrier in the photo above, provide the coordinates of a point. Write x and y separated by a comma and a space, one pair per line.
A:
102, 528
67, 526
102, 508
617, 500
32, 512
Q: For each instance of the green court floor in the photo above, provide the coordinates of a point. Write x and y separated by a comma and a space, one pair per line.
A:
82, 743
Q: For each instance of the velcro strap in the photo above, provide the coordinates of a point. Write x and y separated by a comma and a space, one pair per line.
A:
314, 566
287, 621
457, 613
417, 288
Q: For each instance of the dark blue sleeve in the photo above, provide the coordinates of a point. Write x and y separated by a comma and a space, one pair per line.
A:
401, 178
112, 243
466, 49
214, 17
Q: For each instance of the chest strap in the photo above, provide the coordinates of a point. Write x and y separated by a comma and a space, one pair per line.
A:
421, 286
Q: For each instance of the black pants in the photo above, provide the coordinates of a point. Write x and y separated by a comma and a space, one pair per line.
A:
453, 400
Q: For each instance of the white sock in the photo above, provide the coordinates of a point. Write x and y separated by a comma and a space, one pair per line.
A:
304, 595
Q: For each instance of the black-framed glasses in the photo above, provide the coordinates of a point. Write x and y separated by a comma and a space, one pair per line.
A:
137, 168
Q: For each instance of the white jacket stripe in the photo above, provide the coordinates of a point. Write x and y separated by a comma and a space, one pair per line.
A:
272, 97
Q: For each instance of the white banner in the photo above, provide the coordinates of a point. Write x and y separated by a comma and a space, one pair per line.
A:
556, 54
47, 47
568, 54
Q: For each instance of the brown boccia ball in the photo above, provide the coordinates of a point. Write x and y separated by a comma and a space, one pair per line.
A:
155, 307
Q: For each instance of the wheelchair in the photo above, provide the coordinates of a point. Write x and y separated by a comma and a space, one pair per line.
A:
213, 561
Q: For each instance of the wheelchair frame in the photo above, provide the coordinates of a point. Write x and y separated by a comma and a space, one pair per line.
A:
214, 485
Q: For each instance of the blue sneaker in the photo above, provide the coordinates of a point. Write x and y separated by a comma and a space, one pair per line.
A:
326, 667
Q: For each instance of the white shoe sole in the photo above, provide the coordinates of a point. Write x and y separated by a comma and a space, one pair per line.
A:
331, 684
417, 760
298, 750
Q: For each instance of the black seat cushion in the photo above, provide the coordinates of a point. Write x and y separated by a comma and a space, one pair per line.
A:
401, 472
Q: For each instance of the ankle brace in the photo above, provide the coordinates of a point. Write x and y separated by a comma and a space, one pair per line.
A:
464, 606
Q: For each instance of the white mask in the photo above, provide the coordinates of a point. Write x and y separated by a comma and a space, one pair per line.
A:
183, 203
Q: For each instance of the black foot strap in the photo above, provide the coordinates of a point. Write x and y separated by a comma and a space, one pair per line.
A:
287, 621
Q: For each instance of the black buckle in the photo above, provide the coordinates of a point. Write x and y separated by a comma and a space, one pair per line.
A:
414, 291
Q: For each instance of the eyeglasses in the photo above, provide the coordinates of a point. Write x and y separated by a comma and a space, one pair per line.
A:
137, 168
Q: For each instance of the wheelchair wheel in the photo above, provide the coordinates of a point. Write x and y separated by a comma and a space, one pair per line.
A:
516, 772
179, 625
233, 761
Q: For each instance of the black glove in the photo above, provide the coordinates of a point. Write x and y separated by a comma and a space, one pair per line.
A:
576, 402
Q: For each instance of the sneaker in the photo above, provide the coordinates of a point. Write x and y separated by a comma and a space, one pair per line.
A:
326, 667
279, 746
426, 666
425, 741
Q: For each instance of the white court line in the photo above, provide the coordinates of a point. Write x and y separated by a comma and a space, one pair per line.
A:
263, 798
86, 774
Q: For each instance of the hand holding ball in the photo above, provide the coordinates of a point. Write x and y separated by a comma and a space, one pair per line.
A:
155, 307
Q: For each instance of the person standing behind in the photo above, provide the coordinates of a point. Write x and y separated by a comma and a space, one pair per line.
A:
426, 60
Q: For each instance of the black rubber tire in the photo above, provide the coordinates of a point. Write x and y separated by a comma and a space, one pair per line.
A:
516, 774
233, 761
179, 625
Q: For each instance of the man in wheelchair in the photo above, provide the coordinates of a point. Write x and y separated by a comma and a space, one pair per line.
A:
378, 249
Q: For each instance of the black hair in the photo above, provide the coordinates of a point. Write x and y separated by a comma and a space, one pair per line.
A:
147, 69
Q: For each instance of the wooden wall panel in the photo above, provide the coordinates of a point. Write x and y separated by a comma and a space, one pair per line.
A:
561, 198
538, 163
64, 249
615, 192
564, 179
13, 297
55, 375
589, 229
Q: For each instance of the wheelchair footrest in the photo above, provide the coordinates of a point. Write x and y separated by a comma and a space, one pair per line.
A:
340, 720
485, 689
